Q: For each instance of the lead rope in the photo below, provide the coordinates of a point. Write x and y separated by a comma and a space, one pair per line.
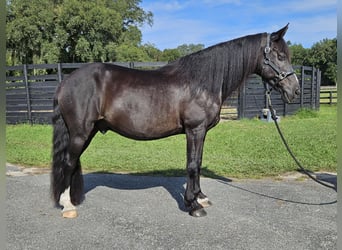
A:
274, 118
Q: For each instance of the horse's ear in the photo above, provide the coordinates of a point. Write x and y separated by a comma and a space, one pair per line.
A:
276, 36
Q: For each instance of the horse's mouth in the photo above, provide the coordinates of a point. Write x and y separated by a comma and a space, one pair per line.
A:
286, 93
285, 97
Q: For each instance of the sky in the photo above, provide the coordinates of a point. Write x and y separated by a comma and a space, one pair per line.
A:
210, 22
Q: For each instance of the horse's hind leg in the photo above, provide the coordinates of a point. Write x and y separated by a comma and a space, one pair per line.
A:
73, 193
73, 180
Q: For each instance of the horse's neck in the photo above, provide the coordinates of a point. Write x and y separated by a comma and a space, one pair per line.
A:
242, 64
234, 80
222, 68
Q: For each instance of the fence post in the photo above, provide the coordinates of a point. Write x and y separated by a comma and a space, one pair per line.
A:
59, 72
241, 102
330, 97
302, 88
313, 87
285, 109
318, 83
28, 103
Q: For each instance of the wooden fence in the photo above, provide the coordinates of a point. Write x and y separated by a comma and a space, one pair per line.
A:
328, 96
30, 90
252, 96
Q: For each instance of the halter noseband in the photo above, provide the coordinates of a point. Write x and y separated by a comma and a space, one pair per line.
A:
281, 75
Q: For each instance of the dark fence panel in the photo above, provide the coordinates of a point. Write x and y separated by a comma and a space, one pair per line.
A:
30, 90
252, 98
29, 93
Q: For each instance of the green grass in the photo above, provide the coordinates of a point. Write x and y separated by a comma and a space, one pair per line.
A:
240, 149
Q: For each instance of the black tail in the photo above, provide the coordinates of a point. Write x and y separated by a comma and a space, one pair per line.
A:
63, 175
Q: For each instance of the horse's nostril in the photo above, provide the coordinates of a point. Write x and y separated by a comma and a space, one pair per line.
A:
297, 92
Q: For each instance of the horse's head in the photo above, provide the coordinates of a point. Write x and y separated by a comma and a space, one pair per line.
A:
276, 68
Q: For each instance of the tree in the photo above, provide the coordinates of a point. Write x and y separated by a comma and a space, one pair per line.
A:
72, 30
29, 27
130, 53
170, 55
323, 55
180, 51
152, 52
187, 49
299, 54
84, 29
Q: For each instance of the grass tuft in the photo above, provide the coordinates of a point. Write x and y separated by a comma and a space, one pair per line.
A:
306, 113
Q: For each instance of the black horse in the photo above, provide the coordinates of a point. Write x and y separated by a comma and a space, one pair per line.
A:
184, 96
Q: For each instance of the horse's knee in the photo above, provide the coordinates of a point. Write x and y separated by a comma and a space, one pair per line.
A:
74, 151
193, 169
76, 145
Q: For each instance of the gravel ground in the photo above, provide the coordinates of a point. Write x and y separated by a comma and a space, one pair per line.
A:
144, 212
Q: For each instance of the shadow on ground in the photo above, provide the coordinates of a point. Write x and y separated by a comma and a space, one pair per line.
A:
175, 185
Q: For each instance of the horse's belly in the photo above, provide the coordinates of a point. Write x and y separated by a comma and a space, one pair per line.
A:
144, 114
144, 126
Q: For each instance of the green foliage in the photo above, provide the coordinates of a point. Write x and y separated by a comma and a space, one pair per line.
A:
299, 55
130, 53
29, 25
187, 49
182, 50
71, 31
152, 52
49, 31
322, 55
170, 55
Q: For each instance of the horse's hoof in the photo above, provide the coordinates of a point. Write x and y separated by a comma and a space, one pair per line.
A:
198, 212
204, 202
70, 214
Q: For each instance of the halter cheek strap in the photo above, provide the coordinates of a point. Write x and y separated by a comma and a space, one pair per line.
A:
281, 75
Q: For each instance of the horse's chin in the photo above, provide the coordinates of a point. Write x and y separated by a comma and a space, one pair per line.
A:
285, 96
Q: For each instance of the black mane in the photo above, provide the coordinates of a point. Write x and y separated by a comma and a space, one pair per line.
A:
225, 65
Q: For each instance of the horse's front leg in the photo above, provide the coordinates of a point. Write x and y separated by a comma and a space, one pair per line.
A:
194, 199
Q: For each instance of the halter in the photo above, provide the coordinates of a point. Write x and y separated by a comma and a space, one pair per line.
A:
281, 75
